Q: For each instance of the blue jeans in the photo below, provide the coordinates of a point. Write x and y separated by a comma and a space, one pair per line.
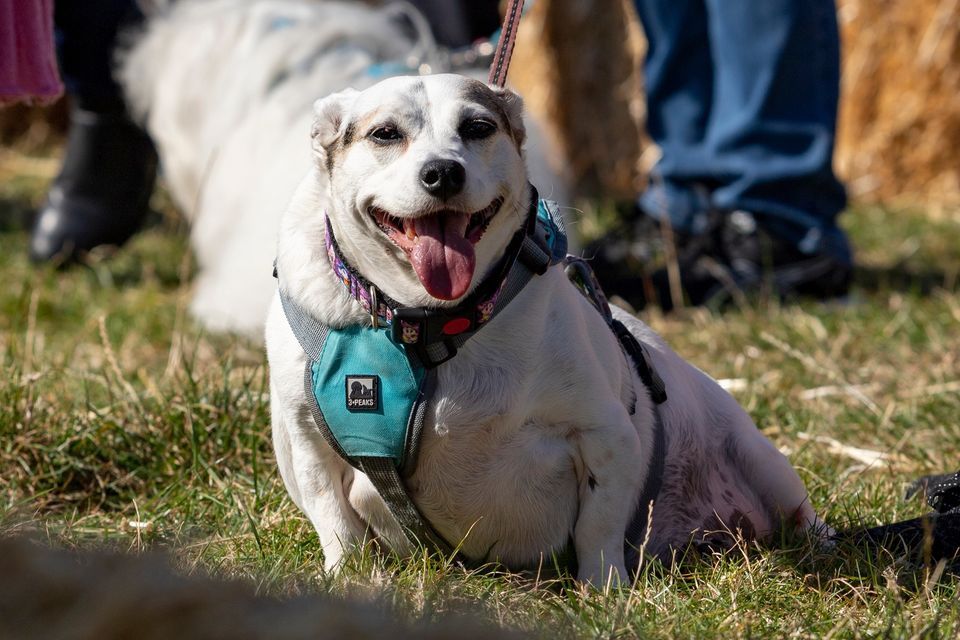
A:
742, 100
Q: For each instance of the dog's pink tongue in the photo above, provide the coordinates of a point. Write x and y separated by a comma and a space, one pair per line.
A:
442, 256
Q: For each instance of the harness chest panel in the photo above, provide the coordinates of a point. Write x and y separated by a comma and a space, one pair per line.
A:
366, 389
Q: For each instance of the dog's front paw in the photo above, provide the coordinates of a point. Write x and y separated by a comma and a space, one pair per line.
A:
333, 558
602, 575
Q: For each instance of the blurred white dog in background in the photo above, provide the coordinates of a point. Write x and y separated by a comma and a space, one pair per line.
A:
225, 88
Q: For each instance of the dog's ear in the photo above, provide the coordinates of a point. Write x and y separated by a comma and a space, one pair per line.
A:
328, 115
512, 105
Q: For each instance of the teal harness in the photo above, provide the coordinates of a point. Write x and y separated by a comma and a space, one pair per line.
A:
369, 386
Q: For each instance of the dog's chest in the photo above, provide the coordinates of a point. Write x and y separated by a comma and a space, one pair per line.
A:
493, 471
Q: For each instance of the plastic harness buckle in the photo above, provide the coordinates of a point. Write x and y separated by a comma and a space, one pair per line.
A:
430, 327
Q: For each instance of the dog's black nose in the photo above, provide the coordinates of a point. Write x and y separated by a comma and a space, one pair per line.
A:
443, 178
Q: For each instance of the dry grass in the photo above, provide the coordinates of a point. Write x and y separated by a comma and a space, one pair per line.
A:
124, 425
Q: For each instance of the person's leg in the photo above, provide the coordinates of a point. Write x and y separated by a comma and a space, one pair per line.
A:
679, 87
101, 192
771, 131
86, 34
746, 172
458, 23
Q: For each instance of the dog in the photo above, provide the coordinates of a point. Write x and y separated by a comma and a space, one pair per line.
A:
225, 89
541, 432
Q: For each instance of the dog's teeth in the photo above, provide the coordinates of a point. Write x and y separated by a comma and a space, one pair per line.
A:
411, 233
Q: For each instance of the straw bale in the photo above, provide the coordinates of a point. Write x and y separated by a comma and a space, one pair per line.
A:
92, 595
576, 63
899, 135
32, 128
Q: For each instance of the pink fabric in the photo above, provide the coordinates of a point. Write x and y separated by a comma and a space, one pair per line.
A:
28, 61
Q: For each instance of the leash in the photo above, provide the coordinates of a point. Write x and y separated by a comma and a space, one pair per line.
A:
925, 540
508, 38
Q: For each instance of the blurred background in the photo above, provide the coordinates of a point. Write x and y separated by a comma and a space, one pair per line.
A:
899, 129
899, 126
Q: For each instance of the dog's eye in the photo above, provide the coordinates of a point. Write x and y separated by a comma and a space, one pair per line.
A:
477, 129
386, 134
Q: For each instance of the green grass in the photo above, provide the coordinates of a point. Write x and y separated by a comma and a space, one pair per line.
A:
122, 424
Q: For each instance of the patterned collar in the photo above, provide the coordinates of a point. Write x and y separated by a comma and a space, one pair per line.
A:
431, 336
379, 305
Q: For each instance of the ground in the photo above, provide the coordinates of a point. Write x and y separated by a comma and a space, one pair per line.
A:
123, 424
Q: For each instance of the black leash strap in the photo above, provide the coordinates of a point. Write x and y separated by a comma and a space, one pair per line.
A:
943, 492
633, 538
927, 539
582, 276
924, 540
641, 360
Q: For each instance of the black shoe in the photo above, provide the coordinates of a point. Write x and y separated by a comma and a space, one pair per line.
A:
102, 192
623, 257
942, 492
732, 257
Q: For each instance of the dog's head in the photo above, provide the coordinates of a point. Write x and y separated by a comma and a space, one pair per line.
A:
427, 181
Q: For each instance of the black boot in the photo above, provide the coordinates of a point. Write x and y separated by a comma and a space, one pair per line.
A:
101, 195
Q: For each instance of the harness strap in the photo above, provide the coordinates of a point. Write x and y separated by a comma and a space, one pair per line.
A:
310, 333
636, 529
582, 276
418, 415
641, 360
386, 480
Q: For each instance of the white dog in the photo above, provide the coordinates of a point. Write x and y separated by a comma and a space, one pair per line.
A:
225, 89
540, 430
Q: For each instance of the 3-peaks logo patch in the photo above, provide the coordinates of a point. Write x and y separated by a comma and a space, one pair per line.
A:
363, 393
